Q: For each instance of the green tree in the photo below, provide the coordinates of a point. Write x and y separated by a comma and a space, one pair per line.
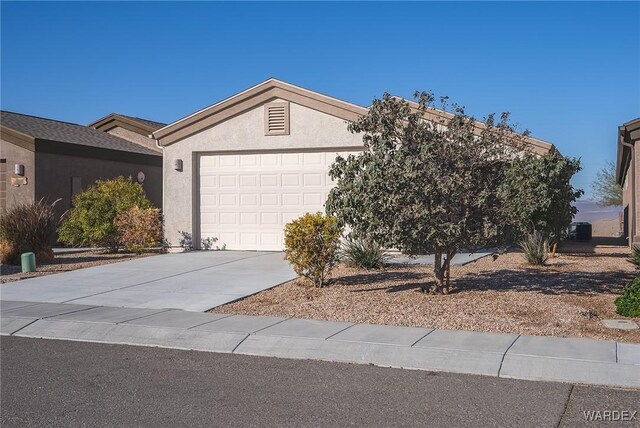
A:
91, 221
605, 186
423, 187
539, 196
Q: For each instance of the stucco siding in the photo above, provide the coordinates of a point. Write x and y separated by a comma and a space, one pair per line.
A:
55, 172
18, 155
309, 130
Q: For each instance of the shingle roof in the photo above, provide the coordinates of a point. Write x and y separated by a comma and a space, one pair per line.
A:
71, 133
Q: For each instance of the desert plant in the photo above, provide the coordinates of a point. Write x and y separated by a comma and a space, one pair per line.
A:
363, 253
91, 221
312, 245
6, 249
628, 304
535, 247
28, 227
634, 258
139, 228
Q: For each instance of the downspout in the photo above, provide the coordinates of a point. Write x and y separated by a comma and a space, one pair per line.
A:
632, 216
163, 181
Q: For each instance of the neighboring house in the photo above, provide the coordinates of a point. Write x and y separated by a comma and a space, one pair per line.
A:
241, 169
130, 128
628, 176
45, 158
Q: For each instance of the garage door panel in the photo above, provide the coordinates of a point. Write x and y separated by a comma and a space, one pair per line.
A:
245, 200
270, 219
269, 199
290, 180
227, 181
291, 159
269, 180
249, 199
250, 180
248, 219
290, 199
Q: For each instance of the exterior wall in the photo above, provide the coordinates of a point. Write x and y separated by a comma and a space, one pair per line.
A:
635, 210
309, 130
18, 155
134, 137
627, 202
55, 172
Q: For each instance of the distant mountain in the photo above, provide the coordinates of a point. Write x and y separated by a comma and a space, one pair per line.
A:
590, 211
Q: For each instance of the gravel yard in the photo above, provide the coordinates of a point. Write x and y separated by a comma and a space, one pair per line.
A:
568, 297
64, 263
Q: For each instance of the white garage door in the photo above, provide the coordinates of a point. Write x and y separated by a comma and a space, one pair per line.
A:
245, 200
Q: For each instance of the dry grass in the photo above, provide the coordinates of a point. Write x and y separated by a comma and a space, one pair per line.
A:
65, 263
567, 297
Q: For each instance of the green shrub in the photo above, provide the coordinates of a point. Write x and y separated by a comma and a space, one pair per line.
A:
140, 228
91, 221
311, 246
634, 258
628, 304
28, 227
536, 248
364, 253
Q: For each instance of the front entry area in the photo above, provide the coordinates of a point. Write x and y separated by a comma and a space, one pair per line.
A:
246, 199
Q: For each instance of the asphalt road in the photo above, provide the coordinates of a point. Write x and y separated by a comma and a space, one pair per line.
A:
64, 383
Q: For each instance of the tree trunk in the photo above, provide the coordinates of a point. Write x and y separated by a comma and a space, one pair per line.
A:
553, 249
447, 286
439, 271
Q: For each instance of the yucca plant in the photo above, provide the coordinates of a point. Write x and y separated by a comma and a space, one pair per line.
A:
634, 258
536, 248
28, 227
363, 253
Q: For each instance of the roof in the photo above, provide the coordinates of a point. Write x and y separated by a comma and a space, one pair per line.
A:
135, 124
151, 123
628, 134
274, 88
38, 128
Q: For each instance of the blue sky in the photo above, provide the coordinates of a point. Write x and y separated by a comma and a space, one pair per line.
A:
569, 72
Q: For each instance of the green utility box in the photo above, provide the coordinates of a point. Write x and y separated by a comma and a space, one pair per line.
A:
28, 262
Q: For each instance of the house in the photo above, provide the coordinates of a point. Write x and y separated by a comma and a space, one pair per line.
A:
628, 176
242, 168
50, 159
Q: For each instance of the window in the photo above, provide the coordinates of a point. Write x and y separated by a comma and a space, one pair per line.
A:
276, 118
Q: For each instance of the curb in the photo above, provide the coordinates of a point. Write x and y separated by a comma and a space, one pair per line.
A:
513, 356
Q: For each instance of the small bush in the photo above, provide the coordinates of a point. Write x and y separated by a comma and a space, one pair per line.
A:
364, 253
139, 228
28, 227
634, 258
311, 246
6, 249
92, 219
628, 304
536, 248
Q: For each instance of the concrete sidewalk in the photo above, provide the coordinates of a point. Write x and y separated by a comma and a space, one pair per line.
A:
503, 355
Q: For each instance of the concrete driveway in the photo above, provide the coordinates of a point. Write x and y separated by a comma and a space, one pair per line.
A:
194, 281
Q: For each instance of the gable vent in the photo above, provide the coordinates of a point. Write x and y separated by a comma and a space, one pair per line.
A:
276, 119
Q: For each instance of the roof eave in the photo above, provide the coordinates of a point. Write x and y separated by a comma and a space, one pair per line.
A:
252, 97
18, 138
